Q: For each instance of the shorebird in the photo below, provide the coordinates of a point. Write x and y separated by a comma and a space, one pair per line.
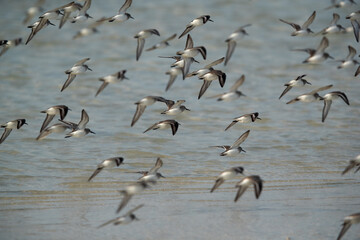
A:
328, 98
113, 78
303, 29
62, 110
348, 221
226, 175
125, 219
234, 149
246, 182
232, 39
170, 123
78, 68
353, 163
311, 96
9, 126
246, 118
107, 163
233, 92
140, 36
317, 55
297, 82
143, 103
196, 22
7, 44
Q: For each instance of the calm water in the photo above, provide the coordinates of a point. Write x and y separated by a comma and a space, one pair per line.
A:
44, 188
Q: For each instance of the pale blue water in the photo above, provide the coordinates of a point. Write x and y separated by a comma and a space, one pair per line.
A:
44, 188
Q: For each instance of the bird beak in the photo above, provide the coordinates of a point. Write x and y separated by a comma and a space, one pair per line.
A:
92, 132
243, 150
89, 69
210, 20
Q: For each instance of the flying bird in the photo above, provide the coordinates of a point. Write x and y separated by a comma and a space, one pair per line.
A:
234, 149
125, 219
141, 36
232, 41
107, 163
348, 221
317, 55
122, 15
233, 92
7, 44
297, 82
9, 126
246, 182
163, 43
303, 29
130, 191
113, 78
62, 110
195, 23
78, 68
143, 103
328, 98
170, 123
246, 118
353, 163
311, 96
226, 175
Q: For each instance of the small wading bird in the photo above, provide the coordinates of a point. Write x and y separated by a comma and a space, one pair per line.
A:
107, 163
304, 29
353, 163
62, 110
297, 82
125, 219
195, 23
170, 123
113, 78
78, 68
348, 221
140, 36
9, 126
246, 182
234, 149
232, 39
226, 175
233, 92
328, 98
79, 130
246, 118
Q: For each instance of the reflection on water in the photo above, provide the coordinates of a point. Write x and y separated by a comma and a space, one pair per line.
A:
44, 188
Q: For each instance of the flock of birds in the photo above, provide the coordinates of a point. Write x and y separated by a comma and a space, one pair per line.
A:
76, 12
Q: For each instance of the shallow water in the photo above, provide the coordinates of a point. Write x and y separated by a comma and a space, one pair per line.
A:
44, 189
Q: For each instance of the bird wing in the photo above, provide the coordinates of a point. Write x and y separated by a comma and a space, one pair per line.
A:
81, 62
123, 203
46, 122
103, 85
140, 47
309, 21
204, 87
68, 81
84, 119
158, 165
237, 84
94, 174
5, 134
139, 111
218, 182
230, 125
241, 139
125, 6
151, 127
230, 50
216, 62
320, 89
288, 88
